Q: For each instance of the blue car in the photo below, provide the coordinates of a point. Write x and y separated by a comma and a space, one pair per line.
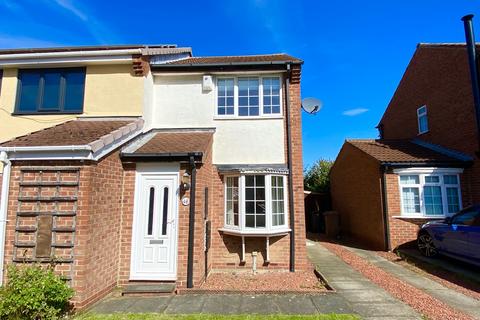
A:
457, 236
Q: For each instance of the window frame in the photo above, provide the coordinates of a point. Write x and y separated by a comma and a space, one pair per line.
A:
261, 114
441, 173
40, 110
420, 115
268, 204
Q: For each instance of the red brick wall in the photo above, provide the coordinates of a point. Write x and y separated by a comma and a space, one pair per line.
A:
103, 231
439, 78
301, 260
97, 224
356, 192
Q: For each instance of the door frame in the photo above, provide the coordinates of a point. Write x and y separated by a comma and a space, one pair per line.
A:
155, 169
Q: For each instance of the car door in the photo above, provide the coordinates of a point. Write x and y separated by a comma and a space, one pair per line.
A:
456, 240
474, 238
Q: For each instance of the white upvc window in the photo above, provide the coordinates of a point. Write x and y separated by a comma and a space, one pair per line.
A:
422, 119
248, 96
255, 202
430, 193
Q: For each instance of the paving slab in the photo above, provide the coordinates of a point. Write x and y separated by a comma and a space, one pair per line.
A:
449, 296
259, 304
186, 304
222, 304
363, 296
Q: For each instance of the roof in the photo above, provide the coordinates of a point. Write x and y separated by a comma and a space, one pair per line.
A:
280, 58
86, 48
170, 143
444, 45
404, 152
78, 132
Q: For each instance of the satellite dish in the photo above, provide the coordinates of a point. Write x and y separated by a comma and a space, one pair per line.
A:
311, 105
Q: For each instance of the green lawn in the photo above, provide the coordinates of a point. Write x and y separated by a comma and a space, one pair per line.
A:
147, 316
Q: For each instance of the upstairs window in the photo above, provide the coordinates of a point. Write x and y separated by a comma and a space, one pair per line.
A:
249, 96
50, 91
422, 119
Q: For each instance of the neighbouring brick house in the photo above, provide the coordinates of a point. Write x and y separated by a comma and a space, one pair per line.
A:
208, 174
425, 164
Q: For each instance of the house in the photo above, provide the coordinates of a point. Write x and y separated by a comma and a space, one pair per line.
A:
425, 164
206, 176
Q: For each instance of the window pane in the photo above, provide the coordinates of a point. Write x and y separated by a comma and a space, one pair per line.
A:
249, 194
248, 96
277, 201
225, 96
422, 123
29, 91
432, 179
165, 211
452, 200
151, 202
433, 200
450, 179
51, 91
250, 221
468, 217
231, 210
260, 221
271, 95
411, 200
249, 181
410, 179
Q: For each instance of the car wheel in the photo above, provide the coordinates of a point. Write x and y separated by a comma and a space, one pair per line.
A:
426, 246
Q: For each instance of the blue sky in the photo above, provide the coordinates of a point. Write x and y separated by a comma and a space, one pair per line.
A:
355, 52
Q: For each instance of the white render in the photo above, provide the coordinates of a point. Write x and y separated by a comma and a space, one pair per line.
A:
180, 102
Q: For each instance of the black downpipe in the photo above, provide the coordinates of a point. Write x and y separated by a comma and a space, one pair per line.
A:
191, 223
386, 224
472, 61
291, 206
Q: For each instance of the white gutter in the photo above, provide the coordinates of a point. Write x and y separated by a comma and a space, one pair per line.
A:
46, 148
65, 54
3, 207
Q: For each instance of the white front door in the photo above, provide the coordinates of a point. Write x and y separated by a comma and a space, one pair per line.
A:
154, 239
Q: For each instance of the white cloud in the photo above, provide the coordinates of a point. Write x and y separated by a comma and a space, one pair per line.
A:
94, 26
67, 5
354, 112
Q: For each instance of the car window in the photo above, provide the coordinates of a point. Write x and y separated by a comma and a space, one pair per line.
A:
470, 217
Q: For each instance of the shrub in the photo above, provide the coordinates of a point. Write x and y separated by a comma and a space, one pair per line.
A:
33, 292
317, 177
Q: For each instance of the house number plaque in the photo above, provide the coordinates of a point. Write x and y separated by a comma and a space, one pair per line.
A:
185, 201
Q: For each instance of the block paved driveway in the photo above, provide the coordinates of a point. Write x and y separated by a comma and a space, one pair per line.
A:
354, 294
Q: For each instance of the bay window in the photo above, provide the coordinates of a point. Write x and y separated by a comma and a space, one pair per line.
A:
429, 194
248, 96
255, 202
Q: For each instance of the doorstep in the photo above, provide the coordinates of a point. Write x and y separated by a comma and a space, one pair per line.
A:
149, 288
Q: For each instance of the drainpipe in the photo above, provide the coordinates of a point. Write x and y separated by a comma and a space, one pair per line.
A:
191, 223
7, 165
291, 207
386, 224
472, 61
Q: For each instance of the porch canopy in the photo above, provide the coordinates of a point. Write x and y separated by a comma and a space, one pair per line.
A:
169, 145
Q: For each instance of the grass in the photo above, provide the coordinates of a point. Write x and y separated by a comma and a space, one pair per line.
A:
146, 316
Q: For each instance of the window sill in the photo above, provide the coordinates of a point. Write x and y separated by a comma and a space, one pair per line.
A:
422, 133
256, 233
46, 113
247, 117
420, 217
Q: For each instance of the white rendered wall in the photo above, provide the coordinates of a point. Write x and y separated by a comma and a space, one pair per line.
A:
179, 102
